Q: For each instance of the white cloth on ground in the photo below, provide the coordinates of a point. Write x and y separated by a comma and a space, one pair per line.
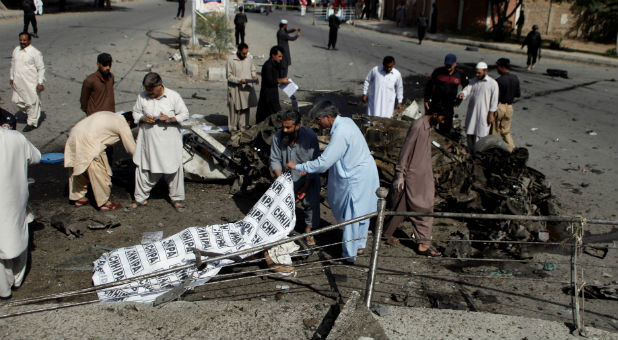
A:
271, 219
159, 146
382, 89
16, 154
281, 254
483, 99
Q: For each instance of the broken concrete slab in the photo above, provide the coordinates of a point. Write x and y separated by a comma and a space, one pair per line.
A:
216, 73
355, 321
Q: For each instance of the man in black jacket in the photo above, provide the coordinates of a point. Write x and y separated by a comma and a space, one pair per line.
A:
240, 21
441, 93
269, 92
333, 23
533, 40
30, 17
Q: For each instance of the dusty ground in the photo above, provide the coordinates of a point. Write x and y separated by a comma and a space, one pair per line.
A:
60, 263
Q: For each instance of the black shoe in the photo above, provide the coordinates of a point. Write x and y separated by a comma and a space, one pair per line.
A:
29, 128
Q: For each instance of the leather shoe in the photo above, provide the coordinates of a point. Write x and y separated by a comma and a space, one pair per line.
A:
28, 128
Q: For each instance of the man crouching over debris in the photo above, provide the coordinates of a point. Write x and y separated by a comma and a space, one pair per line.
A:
298, 144
84, 154
413, 187
159, 112
352, 178
15, 156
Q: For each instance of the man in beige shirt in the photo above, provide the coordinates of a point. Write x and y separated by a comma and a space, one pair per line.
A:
27, 75
241, 73
84, 154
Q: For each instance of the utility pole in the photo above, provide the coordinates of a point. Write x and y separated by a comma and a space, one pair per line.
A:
194, 41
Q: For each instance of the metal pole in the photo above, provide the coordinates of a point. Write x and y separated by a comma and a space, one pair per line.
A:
577, 243
194, 42
371, 277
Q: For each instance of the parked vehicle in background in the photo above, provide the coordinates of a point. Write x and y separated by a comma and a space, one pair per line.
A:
258, 6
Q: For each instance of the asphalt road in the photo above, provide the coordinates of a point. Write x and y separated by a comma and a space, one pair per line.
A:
568, 125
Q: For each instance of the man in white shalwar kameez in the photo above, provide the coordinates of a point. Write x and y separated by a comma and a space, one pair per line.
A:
352, 178
483, 104
159, 112
16, 154
27, 75
381, 87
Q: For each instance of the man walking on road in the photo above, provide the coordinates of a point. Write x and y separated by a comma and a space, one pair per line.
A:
283, 36
533, 41
181, 9
240, 22
30, 16
17, 153
483, 94
241, 74
508, 85
352, 178
421, 23
298, 144
382, 86
333, 27
158, 154
27, 75
98, 88
84, 154
413, 187
269, 92
441, 93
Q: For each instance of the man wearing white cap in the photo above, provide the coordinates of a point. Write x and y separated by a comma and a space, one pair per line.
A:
283, 36
483, 94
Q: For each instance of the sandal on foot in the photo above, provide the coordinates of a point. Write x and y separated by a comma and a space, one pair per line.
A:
135, 205
430, 252
81, 202
310, 240
360, 252
179, 206
110, 206
392, 242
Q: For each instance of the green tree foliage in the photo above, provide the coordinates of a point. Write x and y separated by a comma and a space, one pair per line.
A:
596, 19
214, 27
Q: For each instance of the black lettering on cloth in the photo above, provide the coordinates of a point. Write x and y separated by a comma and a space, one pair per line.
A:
188, 241
289, 202
245, 227
256, 239
116, 266
277, 188
115, 294
219, 238
269, 228
204, 237
170, 248
256, 214
280, 215
235, 238
165, 281
152, 255
267, 201
135, 263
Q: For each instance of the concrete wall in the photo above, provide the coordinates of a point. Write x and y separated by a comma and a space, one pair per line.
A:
554, 19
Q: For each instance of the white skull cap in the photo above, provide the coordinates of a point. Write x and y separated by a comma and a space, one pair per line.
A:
481, 66
284, 22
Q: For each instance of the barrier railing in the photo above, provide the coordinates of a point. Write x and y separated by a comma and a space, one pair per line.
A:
576, 279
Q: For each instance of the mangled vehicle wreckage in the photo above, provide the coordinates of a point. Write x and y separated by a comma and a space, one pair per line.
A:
490, 181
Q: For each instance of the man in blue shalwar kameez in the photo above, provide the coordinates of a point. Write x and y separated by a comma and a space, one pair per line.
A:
352, 178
